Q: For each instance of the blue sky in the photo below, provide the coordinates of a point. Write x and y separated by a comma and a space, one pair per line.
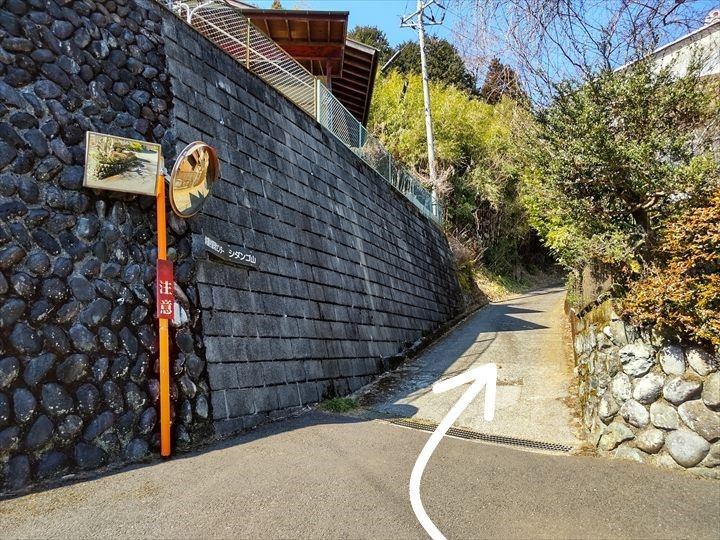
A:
386, 14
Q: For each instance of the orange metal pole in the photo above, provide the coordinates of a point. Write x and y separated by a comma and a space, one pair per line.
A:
163, 331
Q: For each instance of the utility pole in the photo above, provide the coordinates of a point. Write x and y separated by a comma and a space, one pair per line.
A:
418, 21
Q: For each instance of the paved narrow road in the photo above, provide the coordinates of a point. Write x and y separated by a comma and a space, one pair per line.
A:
524, 337
342, 476
328, 476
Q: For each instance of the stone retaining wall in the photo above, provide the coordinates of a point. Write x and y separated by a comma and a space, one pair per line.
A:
348, 272
648, 400
78, 344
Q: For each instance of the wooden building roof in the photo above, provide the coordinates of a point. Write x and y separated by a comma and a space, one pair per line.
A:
318, 40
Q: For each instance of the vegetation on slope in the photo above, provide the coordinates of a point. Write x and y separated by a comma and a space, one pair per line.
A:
616, 160
617, 172
474, 131
479, 176
680, 290
625, 176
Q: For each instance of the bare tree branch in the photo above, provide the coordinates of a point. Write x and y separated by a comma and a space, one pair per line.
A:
547, 41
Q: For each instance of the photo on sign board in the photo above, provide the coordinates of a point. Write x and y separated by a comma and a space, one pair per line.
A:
120, 164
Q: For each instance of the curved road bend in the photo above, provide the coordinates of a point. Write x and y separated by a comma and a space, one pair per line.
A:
525, 337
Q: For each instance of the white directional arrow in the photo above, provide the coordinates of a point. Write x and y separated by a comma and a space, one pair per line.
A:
486, 376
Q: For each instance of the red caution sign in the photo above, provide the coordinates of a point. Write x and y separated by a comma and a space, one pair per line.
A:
165, 290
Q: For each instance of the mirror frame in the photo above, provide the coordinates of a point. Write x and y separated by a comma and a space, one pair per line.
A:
214, 165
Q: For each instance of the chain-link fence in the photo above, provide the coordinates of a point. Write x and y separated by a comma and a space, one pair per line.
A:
232, 32
236, 35
335, 117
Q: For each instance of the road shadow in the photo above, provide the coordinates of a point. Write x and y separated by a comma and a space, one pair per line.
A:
307, 417
504, 319
541, 292
462, 347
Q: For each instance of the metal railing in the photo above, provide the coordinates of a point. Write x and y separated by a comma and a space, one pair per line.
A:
233, 33
236, 35
340, 122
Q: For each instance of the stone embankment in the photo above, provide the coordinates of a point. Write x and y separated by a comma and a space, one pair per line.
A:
648, 400
78, 344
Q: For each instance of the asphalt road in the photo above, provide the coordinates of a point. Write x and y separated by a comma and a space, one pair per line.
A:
326, 476
524, 337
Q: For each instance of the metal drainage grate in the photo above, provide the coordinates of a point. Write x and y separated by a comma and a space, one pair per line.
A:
474, 435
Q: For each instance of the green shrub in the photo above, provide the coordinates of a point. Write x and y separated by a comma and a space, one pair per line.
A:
618, 156
339, 404
475, 150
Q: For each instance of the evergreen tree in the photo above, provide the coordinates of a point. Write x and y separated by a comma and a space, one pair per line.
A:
444, 63
373, 36
618, 157
501, 80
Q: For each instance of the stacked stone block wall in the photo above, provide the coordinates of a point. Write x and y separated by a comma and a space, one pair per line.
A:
348, 272
78, 342
646, 399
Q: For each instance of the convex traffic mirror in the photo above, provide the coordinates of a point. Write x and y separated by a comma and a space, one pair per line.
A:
196, 169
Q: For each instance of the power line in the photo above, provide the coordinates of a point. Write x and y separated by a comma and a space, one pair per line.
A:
421, 17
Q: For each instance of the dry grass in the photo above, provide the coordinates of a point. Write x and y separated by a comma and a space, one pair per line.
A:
498, 287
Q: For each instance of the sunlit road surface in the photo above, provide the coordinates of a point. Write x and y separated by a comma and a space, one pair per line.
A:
330, 476
526, 338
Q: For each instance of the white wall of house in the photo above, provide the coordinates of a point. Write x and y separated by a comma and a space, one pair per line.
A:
679, 54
